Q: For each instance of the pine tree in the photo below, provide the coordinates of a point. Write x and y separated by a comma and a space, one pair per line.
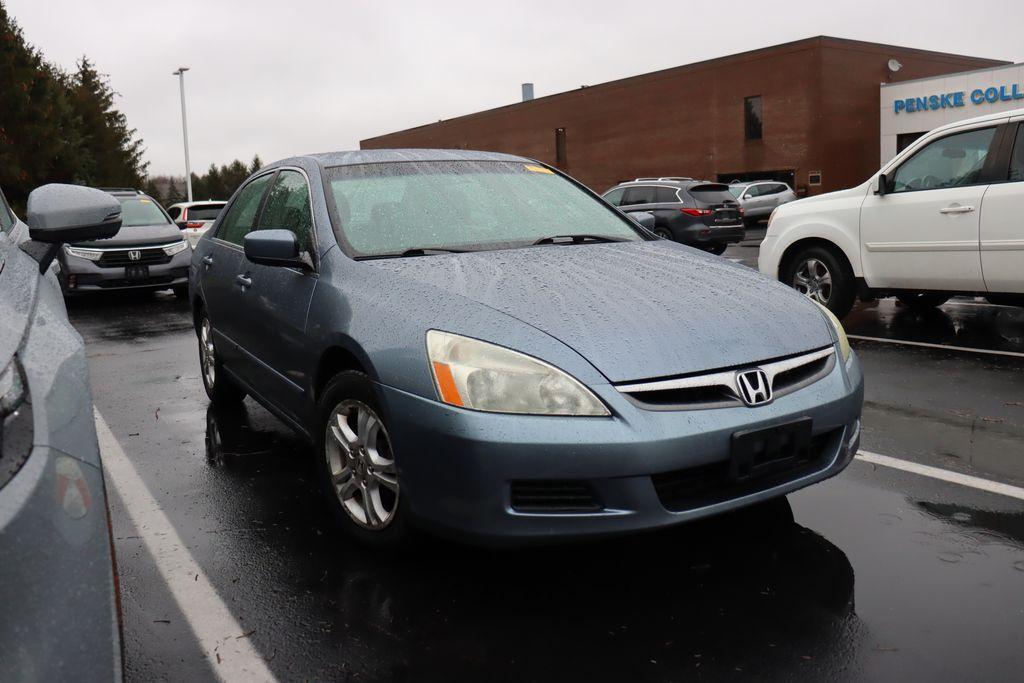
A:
153, 191
256, 164
113, 153
173, 194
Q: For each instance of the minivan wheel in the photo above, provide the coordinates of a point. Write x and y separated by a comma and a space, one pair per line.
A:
357, 466
820, 275
922, 299
219, 387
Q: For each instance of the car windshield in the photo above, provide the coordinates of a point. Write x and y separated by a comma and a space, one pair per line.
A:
736, 190
136, 211
386, 209
204, 212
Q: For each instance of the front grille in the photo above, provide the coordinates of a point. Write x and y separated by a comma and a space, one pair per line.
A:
119, 258
553, 496
122, 282
696, 487
718, 388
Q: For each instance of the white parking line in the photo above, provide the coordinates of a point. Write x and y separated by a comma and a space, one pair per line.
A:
223, 640
945, 347
944, 475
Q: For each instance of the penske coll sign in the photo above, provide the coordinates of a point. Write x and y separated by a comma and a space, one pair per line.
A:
960, 98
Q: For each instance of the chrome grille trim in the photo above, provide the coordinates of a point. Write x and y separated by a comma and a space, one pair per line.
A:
727, 379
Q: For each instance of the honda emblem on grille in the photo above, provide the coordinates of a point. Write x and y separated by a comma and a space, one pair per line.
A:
134, 255
754, 387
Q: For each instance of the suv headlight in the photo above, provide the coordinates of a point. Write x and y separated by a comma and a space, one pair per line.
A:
844, 343
473, 374
90, 254
176, 248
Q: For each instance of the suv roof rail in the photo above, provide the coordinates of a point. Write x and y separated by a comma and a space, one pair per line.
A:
674, 177
120, 189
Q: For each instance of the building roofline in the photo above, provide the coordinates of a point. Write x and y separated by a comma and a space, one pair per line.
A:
803, 43
1008, 65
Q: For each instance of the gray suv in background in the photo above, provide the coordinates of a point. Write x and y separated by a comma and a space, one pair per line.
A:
149, 252
760, 197
697, 213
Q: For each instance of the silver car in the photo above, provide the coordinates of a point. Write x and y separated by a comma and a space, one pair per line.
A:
760, 197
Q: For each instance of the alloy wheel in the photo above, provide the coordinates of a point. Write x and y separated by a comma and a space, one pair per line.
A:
361, 465
207, 354
813, 280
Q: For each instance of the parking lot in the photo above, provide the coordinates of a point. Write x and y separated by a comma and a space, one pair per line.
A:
228, 564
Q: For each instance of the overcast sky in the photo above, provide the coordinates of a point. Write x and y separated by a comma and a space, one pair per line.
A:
284, 78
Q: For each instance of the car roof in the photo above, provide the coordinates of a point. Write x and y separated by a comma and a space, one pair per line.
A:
683, 184
186, 205
381, 156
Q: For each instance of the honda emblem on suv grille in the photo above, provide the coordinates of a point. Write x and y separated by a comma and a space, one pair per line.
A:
134, 254
754, 387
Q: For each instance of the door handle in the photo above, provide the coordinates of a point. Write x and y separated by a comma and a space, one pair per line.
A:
244, 280
957, 209
208, 260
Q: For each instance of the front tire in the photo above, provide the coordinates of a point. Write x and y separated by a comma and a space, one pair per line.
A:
819, 274
920, 300
716, 249
219, 387
358, 472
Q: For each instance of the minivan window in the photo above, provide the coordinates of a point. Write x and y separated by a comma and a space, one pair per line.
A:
139, 211
953, 161
287, 208
242, 214
388, 208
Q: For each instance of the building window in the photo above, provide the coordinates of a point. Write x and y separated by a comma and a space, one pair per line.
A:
752, 117
560, 155
904, 140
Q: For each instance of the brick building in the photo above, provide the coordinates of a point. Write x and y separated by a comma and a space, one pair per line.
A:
805, 112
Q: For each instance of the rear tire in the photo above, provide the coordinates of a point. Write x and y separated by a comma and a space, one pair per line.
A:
716, 249
220, 388
357, 468
920, 300
663, 233
820, 274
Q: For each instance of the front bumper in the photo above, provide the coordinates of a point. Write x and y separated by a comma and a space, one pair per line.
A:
459, 468
82, 275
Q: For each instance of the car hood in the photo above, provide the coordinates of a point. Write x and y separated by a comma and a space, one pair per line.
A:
139, 235
634, 310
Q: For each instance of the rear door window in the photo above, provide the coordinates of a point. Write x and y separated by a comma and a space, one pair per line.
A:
1017, 158
242, 214
641, 194
665, 195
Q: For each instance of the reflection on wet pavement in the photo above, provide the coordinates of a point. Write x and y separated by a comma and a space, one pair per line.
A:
960, 322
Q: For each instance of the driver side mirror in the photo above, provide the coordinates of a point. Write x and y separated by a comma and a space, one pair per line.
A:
274, 248
883, 185
58, 213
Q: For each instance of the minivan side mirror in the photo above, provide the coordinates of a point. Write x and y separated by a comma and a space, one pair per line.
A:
883, 185
59, 213
274, 248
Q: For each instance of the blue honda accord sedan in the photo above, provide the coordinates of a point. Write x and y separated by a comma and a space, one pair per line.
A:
477, 345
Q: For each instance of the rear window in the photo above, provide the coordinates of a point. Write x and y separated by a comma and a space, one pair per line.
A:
137, 211
203, 212
711, 193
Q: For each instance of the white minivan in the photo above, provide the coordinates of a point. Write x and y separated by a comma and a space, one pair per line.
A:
944, 217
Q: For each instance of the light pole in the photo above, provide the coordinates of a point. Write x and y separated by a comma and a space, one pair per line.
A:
180, 73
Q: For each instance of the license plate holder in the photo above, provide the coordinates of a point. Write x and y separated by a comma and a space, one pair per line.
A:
757, 452
136, 272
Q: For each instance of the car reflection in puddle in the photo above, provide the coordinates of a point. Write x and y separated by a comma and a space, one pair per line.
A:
742, 591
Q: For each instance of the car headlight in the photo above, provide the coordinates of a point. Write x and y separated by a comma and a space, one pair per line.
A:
176, 248
844, 343
473, 374
90, 254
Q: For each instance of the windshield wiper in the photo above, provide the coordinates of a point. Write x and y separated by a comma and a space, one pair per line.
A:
577, 239
414, 251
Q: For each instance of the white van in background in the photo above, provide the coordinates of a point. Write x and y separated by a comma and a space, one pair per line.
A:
944, 217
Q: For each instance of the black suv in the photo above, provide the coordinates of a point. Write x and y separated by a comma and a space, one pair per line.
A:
697, 213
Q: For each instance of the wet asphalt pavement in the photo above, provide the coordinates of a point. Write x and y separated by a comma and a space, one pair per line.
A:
875, 574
